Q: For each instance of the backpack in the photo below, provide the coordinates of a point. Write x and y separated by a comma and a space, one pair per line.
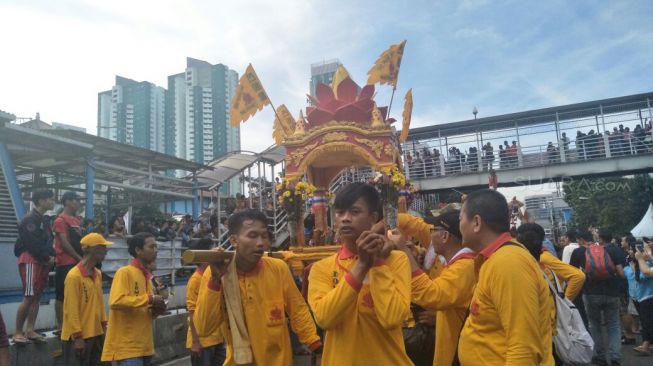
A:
573, 343
598, 264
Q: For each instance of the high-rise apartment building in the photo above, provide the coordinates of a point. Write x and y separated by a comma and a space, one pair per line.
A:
189, 120
197, 112
322, 72
133, 112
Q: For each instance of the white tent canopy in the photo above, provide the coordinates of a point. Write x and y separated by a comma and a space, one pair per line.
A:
645, 226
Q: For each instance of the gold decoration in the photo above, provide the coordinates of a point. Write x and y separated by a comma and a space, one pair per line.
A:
300, 126
334, 136
376, 146
389, 150
377, 119
321, 151
298, 155
337, 127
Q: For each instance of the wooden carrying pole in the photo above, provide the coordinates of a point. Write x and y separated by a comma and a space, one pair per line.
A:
213, 256
206, 256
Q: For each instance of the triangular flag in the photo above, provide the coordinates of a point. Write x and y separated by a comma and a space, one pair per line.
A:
408, 111
386, 67
284, 124
250, 97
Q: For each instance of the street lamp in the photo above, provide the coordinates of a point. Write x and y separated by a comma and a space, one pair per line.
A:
475, 112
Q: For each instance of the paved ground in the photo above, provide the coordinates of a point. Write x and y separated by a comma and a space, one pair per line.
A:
630, 358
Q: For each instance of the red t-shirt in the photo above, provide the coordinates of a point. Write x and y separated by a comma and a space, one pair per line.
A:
61, 226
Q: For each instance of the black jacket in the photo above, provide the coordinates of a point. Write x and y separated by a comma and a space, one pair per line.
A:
35, 236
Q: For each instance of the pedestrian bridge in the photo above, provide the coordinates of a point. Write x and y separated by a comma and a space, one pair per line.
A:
606, 137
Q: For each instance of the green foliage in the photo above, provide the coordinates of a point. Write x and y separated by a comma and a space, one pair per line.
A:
615, 203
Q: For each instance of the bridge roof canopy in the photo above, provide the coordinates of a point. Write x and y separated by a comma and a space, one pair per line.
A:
531, 117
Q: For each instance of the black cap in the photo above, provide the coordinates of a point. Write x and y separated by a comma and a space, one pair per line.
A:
68, 196
450, 221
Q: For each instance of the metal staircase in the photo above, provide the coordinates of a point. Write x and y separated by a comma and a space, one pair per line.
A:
8, 219
278, 225
351, 176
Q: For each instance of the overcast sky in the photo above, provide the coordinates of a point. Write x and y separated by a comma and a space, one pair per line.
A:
502, 56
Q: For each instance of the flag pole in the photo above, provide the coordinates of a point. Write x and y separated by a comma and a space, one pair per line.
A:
274, 109
391, 98
394, 86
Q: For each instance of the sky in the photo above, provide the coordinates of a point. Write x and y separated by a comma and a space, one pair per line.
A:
500, 56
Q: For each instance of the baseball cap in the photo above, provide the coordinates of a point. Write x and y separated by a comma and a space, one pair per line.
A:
94, 239
450, 221
68, 196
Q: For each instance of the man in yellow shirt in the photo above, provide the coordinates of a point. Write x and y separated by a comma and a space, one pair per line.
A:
268, 295
507, 322
359, 298
84, 318
204, 352
133, 306
449, 293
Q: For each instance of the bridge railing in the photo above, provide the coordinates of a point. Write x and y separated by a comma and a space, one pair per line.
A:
590, 147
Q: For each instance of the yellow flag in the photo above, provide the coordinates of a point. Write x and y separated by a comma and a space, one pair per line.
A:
284, 124
250, 97
340, 75
386, 68
408, 111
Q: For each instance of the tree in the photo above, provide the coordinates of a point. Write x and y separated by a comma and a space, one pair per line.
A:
615, 203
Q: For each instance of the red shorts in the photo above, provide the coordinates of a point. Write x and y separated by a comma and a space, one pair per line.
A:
34, 277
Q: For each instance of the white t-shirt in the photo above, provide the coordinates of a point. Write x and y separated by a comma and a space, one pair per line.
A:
566, 252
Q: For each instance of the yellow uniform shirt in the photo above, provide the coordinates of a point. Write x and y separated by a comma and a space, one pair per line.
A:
83, 307
508, 322
212, 330
450, 294
362, 321
574, 277
268, 294
129, 332
192, 292
415, 227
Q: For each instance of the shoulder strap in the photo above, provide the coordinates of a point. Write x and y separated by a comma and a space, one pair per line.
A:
556, 289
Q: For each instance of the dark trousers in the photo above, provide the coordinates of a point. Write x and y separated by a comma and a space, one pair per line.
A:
91, 355
211, 356
645, 310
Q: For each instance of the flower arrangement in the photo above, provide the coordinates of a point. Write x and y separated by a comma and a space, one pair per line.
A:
390, 181
293, 196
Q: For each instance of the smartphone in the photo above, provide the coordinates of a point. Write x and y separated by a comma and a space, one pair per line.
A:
640, 247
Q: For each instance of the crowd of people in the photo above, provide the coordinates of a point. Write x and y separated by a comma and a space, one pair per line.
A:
621, 141
457, 288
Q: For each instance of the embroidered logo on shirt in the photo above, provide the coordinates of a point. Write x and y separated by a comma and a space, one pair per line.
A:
367, 300
136, 290
334, 278
275, 314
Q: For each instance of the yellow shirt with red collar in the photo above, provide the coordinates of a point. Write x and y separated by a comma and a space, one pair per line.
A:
508, 323
363, 321
450, 294
268, 293
193, 288
83, 308
129, 331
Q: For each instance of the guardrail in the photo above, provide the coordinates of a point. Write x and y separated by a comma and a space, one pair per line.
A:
589, 148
